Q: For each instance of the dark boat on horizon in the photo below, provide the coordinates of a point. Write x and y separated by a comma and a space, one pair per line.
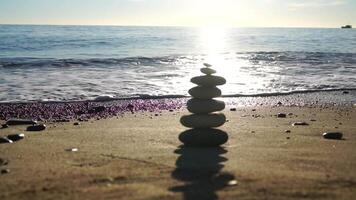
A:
346, 26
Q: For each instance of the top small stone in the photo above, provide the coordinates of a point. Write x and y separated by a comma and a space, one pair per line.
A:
207, 71
207, 65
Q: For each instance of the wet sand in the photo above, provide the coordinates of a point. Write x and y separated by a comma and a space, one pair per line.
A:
138, 156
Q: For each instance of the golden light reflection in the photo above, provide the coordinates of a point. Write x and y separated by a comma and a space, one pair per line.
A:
217, 50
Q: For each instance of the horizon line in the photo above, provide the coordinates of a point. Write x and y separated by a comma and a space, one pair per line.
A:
178, 26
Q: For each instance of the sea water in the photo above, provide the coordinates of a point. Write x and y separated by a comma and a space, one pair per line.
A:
65, 63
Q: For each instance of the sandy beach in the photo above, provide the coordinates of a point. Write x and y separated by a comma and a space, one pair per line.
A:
136, 155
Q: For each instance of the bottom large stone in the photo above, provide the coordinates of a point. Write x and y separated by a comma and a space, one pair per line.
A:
203, 137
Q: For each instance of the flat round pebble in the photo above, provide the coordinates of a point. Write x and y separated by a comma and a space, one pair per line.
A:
207, 65
3, 162
72, 149
208, 81
281, 115
333, 135
203, 137
207, 71
5, 171
5, 140
200, 92
300, 124
199, 106
16, 137
203, 120
40, 127
4, 126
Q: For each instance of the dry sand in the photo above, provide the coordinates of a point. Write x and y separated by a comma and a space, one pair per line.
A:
138, 156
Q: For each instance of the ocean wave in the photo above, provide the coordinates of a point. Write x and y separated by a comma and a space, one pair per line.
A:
318, 58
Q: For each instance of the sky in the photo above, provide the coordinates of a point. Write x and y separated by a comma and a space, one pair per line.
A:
230, 13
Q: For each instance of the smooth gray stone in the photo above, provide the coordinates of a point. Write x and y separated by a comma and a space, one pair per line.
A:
333, 135
201, 92
203, 120
208, 80
207, 71
40, 127
207, 65
200, 106
203, 137
20, 121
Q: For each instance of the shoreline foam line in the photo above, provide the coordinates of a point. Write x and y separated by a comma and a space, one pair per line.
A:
148, 97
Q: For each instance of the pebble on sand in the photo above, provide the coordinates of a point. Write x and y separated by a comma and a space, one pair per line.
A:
232, 109
203, 137
76, 123
5, 140
287, 131
300, 124
16, 137
3, 162
5, 171
281, 115
72, 149
4, 126
333, 135
40, 127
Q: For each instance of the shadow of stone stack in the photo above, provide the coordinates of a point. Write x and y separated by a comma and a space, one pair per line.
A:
205, 116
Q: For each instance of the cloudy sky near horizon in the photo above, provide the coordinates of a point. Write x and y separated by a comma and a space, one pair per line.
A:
235, 13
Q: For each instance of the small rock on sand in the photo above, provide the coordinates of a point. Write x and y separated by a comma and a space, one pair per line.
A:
300, 124
4, 126
72, 149
5, 171
3, 162
40, 127
287, 131
281, 115
232, 109
332, 135
76, 124
16, 137
5, 140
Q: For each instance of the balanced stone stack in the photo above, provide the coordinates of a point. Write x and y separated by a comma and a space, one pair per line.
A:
205, 117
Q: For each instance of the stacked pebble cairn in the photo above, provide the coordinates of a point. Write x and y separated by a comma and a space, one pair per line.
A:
205, 117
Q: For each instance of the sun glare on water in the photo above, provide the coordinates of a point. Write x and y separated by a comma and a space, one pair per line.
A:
217, 51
